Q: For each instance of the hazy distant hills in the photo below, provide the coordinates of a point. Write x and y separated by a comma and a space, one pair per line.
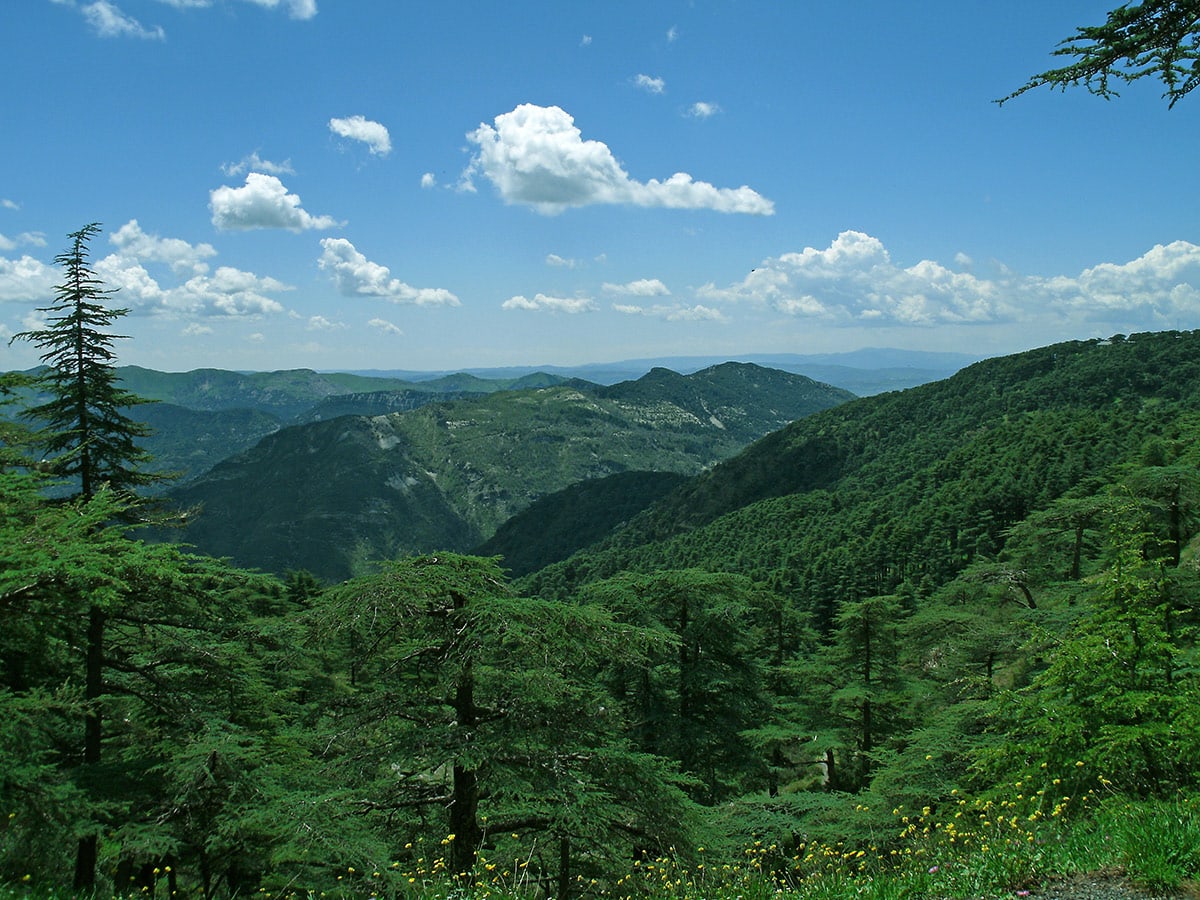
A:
872, 370
331, 496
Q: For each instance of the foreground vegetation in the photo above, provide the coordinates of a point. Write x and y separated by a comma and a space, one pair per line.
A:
972, 849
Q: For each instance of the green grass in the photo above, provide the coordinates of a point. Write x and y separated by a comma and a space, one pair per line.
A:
976, 848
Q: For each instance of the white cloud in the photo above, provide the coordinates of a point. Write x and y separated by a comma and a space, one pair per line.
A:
107, 20
194, 329
561, 262
674, 313
169, 276
263, 202
255, 163
534, 155
650, 85
702, 110
642, 287
542, 303
9, 204
672, 34
855, 281
585, 41
226, 292
320, 323
358, 128
181, 256
296, 9
357, 276
385, 326
428, 180
28, 238
188, 4
26, 279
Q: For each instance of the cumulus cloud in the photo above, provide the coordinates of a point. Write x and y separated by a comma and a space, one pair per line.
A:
255, 163
855, 281
181, 256
385, 326
428, 180
358, 128
674, 313
26, 278
536, 156
650, 85
561, 262
357, 276
672, 34
642, 287
9, 204
702, 110
543, 303
179, 285
262, 202
226, 292
585, 41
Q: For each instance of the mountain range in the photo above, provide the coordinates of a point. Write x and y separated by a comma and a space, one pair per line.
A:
331, 496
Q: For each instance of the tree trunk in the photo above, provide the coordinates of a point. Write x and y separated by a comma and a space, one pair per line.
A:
464, 807
85, 856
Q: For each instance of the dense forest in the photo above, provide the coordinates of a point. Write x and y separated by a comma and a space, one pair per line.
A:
846, 630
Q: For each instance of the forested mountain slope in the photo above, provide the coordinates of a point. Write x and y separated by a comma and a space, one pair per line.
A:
331, 496
916, 483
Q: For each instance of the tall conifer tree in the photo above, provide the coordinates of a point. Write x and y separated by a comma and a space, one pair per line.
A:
89, 441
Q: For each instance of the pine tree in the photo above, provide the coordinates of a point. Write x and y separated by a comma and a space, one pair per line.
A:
88, 437
89, 440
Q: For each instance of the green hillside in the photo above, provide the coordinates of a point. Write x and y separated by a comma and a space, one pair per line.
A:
330, 496
913, 483
566, 521
937, 643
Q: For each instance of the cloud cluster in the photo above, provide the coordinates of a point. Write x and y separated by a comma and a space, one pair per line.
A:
356, 276
197, 292
358, 128
855, 281
544, 303
536, 156
262, 202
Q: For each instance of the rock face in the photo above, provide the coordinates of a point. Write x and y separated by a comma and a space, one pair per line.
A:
333, 495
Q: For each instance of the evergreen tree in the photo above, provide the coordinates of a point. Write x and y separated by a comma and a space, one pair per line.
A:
467, 709
88, 437
90, 441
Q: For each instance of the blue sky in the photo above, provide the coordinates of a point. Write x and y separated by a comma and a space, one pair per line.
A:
368, 184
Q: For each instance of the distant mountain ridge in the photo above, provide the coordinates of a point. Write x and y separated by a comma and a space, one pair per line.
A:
870, 370
331, 496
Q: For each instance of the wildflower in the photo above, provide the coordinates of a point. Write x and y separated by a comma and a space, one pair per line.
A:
933, 870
